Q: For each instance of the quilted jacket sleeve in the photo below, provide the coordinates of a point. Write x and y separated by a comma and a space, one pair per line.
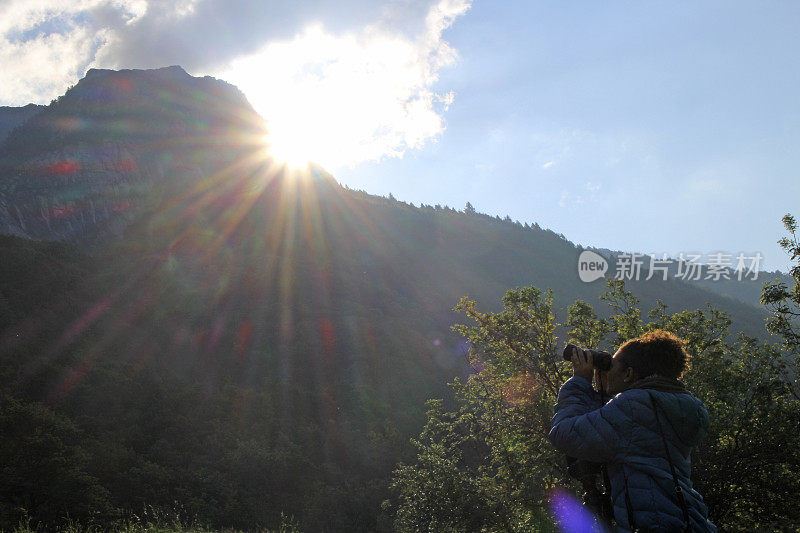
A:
582, 427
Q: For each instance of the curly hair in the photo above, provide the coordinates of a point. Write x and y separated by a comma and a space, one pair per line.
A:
656, 352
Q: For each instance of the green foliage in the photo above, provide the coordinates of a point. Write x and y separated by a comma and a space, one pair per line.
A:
748, 468
268, 365
626, 321
257, 347
487, 465
784, 301
43, 472
585, 327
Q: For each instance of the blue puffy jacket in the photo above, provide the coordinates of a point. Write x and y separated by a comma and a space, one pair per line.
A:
624, 435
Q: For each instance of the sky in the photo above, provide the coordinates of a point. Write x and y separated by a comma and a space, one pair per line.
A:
653, 127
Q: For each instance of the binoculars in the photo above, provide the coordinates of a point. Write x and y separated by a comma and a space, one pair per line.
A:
600, 360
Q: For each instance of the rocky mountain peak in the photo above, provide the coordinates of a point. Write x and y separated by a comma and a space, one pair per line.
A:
174, 71
115, 144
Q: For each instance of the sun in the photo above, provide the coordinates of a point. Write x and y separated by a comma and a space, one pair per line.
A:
339, 100
288, 149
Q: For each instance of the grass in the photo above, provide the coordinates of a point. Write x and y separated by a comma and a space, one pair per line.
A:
156, 523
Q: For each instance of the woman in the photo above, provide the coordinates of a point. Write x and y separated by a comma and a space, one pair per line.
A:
644, 434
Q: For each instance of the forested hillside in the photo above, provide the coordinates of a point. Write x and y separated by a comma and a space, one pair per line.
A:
224, 338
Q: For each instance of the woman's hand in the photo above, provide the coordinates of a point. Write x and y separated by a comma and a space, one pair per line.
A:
582, 363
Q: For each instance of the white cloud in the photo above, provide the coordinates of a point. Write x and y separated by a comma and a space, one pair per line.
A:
707, 182
564, 200
592, 187
343, 98
570, 153
568, 199
357, 85
46, 45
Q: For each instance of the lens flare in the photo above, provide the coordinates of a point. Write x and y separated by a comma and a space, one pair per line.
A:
571, 516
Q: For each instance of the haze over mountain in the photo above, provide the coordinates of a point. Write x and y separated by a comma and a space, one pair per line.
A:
80, 169
11, 117
285, 324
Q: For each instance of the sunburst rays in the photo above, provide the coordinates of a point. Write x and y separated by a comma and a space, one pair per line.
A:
208, 238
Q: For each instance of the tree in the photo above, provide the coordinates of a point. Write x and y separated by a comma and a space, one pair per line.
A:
44, 471
468, 209
783, 301
487, 464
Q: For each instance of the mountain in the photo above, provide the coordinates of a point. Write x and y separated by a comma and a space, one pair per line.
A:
723, 279
216, 329
84, 167
11, 117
